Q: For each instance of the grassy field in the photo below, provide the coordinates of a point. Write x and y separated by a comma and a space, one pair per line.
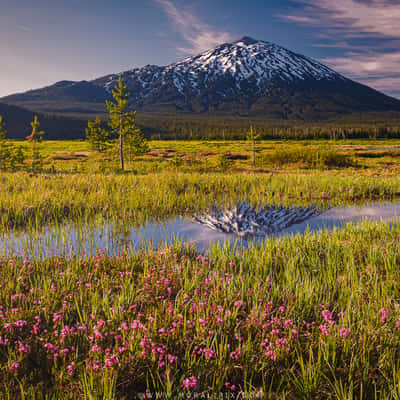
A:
183, 177
309, 317
205, 156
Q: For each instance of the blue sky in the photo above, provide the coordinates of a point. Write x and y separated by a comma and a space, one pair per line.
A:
44, 41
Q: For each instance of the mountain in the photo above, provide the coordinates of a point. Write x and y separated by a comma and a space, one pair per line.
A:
247, 77
17, 123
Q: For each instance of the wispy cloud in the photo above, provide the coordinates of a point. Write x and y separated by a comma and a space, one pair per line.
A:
367, 29
24, 28
354, 17
198, 35
373, 69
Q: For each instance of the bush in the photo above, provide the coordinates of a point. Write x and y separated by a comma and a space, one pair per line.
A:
224, 161
12, 157
311, 157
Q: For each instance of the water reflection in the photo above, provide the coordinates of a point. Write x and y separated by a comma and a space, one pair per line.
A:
90, 239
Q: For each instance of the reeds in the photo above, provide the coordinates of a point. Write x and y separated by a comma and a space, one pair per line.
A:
38, 200
304, 317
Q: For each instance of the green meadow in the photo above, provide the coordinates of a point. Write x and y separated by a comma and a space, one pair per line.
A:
305, 317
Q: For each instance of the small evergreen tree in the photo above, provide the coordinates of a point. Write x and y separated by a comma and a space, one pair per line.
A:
253, 138
97, 135
35, 137
118, 116
17, 158
123, 122
137, 143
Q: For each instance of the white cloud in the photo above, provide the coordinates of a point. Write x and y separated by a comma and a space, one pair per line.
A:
368, 29
378, 70
198, 35
379, 17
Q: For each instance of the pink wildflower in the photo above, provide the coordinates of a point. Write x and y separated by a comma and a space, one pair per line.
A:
14, 366
344, 332
70, 368
235, 355
208, 353
324, 330
383, 313
190, 383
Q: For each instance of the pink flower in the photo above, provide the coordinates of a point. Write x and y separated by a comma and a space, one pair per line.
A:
95, 349
190, 383
239, 304
14, 366
64, 352
96, 365
70, 368
288, 323
208, 353
344, 332
327, 316
398, 324
100, 323
23, 348
383, 313
110, 362
172, 359
324, 330
20, 324
57, 317
235, 355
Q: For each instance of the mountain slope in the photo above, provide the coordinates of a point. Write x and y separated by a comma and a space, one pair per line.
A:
247, 77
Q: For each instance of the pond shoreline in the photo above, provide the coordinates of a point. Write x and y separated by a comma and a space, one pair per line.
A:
91, 239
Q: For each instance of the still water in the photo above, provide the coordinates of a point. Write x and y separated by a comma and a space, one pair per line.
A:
90, 239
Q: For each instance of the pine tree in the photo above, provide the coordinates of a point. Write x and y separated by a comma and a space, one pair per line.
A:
118, 116
35, 137
97, 135
137, 143
123, 122
253, 137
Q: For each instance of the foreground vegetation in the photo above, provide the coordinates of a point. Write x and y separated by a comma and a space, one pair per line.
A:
310, 317
314, 317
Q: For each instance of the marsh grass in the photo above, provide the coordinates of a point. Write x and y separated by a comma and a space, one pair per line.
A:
29, 201
313, 316
305, 317
311, 157
178, 178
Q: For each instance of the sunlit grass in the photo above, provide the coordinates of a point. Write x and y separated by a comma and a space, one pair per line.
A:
306, 318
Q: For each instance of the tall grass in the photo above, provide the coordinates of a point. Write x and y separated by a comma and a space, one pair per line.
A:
310, 157
128, 199
306, 317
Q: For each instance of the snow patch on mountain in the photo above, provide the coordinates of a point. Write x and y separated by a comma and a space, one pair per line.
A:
242, 62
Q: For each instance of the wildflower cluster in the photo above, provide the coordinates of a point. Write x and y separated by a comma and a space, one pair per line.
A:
169, 320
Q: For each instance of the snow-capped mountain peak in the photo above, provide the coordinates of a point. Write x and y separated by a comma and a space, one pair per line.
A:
244, 61
245, 76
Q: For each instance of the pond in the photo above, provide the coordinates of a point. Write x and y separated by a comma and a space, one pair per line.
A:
90, 239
